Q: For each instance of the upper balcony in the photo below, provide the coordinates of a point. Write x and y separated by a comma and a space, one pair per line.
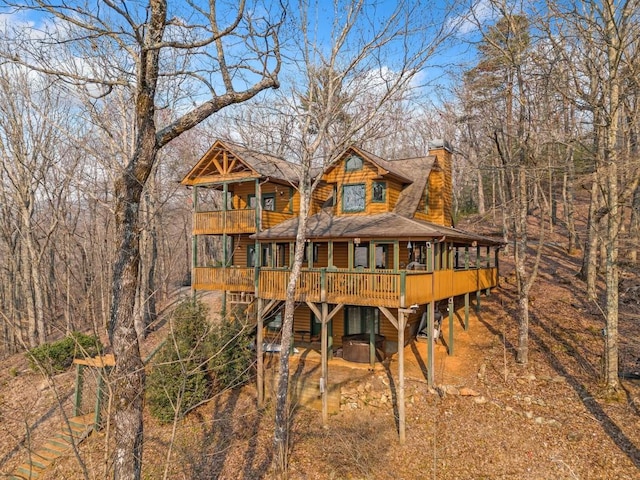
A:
233, 222
384, 288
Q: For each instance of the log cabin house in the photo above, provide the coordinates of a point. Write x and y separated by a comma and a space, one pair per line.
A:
381, 251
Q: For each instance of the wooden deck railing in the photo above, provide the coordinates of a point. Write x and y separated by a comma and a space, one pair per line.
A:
229, 221
231, 278
234, 221
378, 288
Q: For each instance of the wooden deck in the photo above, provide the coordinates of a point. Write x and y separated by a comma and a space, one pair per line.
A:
383, 288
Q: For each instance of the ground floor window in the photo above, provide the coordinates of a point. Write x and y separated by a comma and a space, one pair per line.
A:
360, 320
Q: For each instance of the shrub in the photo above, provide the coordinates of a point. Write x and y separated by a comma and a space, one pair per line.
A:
178, 374
197, 360
230, 364
56, 357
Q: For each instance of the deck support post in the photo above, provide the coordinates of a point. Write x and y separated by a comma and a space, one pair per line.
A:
466, 311
260, 354
401, 406
431, 310
372, 344
451, 306
77, 398
324, 348
478, 292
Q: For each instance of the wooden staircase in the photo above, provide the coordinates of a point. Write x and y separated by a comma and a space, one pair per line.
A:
62, 443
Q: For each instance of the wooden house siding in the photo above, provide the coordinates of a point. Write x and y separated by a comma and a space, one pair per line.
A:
341, 254
393, 194
319, 197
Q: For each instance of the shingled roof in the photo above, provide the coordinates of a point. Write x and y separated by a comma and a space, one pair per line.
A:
261, 164
326, 226
410, 197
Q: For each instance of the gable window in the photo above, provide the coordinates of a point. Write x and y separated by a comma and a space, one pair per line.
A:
379, 192
353, 198
353, 163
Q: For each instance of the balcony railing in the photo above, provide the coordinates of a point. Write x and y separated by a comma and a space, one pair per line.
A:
231, 278
234, 221
377, 288
224, 221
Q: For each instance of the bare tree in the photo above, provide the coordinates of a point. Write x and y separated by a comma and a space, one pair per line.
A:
350, 79
225, 54
32, 142
598, 40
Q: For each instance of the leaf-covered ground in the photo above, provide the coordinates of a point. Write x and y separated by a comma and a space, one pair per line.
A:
488, 417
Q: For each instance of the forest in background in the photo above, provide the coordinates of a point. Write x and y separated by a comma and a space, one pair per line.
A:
546, 105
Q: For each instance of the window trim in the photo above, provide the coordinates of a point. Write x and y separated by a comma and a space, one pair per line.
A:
263, 197
364, 197
252, 259
353, 157
384, 192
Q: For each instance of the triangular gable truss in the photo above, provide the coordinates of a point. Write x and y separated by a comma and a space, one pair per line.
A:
217, 164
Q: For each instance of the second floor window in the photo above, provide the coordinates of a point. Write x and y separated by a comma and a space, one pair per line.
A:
268, 201
353, 198
379, 192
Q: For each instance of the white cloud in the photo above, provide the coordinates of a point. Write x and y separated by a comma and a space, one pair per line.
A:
472, 20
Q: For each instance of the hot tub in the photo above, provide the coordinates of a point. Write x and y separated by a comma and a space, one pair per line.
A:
355, 348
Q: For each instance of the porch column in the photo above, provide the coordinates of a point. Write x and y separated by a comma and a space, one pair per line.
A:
330, 254
324, 347
402, 321
260, 354
372, 342
225, 262
194, 243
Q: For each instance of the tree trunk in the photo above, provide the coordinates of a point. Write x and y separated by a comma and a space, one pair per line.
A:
634, 226
129, 370
281, 436
481, 202
589, 269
